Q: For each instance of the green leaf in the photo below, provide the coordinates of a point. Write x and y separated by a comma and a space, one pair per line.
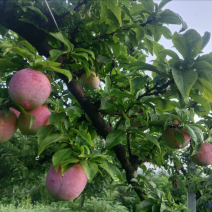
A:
169, 17
28, 46
163, 207
170, 53
25, 54
190, 131
196, 149
163, 3
113, 171
198, 133
184, 79
203, 68
46, 63
84, 55
143, 66
96, 155
201, 127
194, 42
180, 44
59, 70
122, 110
180, 138
69, 162
106, 104
60, 156
107, 83
114, 138
84, 134
85, 50
7, 66
137, 9
73, 110
150, 138
57, 119
61, 37
116, 47
103, 59
43, 132
207, 89
207, 94
205, 74
90, 168
50, 139
166, 32
189, 44
162, 104
140, 33
157, 48
55, 53
145, 205
184, 24
138, 82
115, 9
205, 39
5, 45
148, 5
201, 100
38, 11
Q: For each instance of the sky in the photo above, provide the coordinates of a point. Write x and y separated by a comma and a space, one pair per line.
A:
197, 14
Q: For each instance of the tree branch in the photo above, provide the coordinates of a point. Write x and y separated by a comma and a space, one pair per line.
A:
160, 90
80, 4
37, 38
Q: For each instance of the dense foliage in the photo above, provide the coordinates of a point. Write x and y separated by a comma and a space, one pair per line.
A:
65, 39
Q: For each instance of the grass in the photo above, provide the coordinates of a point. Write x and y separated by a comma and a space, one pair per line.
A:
29, 208
63, 207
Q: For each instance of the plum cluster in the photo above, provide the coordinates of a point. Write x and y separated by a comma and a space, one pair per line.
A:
29, 89
202, 158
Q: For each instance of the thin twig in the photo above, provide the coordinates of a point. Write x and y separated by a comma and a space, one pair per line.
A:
112, 33
52, 15
75, 8
160, 90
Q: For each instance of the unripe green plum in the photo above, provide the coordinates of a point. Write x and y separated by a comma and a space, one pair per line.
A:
41, 115
8, 125
204, 156
92, 80
29, 88
69, 186
171, 140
